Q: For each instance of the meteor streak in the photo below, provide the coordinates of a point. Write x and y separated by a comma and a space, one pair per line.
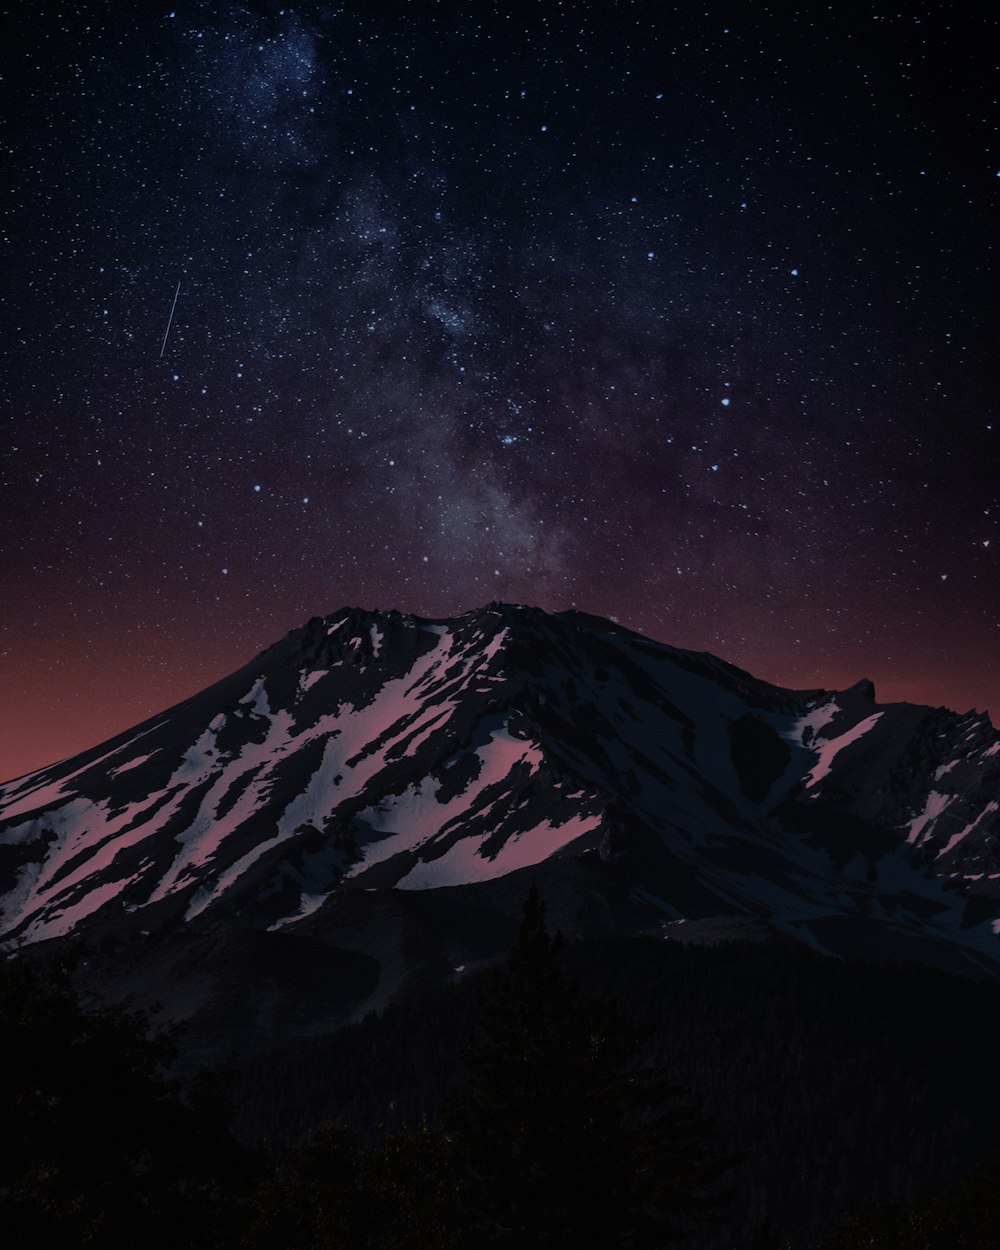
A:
170, 319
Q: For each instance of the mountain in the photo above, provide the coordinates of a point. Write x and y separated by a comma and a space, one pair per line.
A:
358, 810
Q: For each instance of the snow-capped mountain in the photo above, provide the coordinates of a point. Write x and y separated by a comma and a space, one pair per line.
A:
371, 757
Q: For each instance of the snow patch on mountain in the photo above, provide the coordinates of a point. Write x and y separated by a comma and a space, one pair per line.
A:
136, 763
308, 903
920, 826
827, 749
256, 700
465, 862
804, 729
962, 834
420, 813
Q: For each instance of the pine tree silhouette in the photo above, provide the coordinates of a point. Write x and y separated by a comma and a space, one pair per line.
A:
101, 1146
565, 1139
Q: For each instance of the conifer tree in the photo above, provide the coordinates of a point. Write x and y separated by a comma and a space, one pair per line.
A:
315, 1197
566, 1140
101, 1147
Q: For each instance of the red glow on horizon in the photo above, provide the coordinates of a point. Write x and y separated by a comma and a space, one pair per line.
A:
56, 710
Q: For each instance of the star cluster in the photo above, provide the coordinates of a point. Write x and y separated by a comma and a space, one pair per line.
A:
678, 314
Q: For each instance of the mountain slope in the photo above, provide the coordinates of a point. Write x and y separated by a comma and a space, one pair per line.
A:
371, 757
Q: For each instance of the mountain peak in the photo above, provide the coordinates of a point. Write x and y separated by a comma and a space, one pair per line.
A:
379, 753
861, 693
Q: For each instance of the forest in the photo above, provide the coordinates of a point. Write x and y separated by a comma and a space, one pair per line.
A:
629, 1093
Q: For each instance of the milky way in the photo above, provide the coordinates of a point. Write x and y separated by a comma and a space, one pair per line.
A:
683, 316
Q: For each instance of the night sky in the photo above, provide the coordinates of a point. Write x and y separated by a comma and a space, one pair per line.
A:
683, 315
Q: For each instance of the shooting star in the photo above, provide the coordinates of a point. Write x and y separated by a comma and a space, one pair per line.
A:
170, 319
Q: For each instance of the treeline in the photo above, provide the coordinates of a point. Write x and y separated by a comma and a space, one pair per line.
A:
842, 1082
621, 1094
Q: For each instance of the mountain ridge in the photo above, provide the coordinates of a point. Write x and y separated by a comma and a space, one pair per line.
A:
370, 756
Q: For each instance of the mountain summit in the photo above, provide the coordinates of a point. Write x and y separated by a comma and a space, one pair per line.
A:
369, 758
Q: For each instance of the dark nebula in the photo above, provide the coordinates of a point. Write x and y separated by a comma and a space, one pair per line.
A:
683, 315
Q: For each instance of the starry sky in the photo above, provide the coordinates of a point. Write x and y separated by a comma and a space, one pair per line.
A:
680, 314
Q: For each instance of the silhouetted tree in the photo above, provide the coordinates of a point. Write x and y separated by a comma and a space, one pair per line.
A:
565, 1139
962, 1216
315, 1196
100, 1147
415, 1182
766, 1236
328, 1193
